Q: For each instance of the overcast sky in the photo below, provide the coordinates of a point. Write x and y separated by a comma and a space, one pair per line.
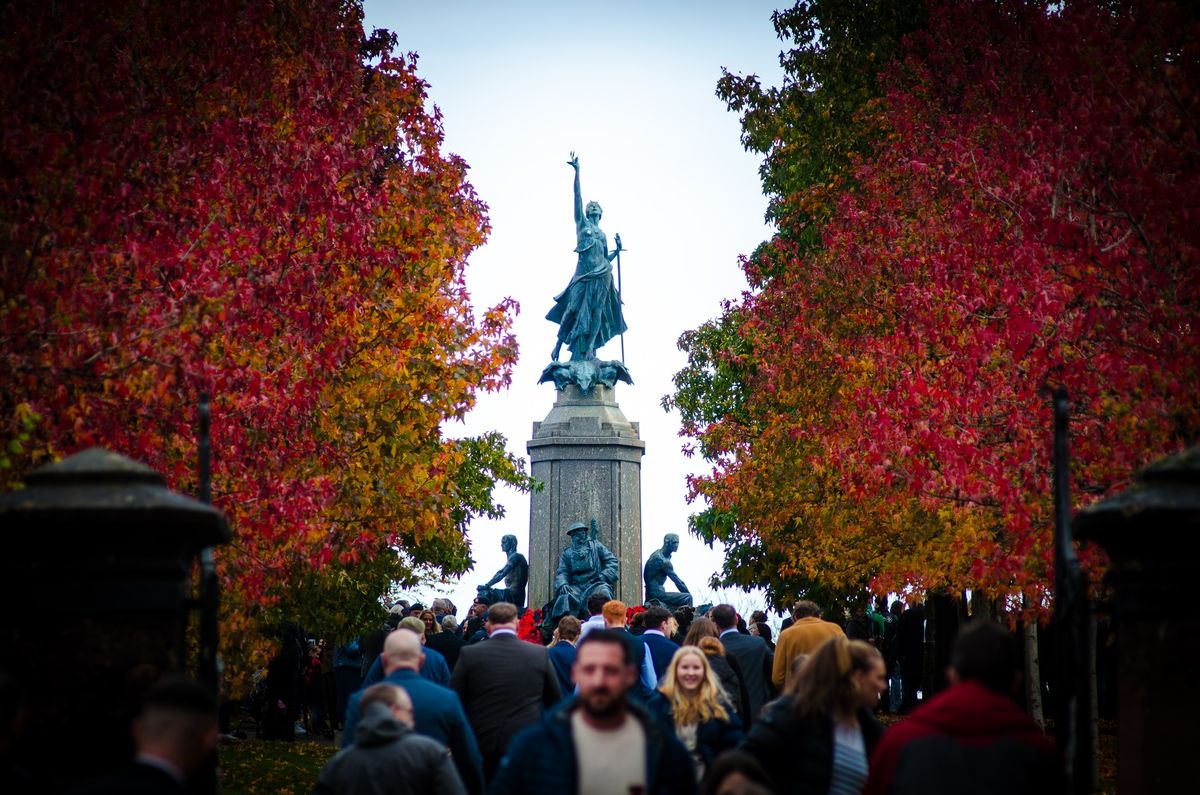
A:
629, 87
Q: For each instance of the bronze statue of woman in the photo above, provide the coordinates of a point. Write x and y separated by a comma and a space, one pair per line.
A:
588, 312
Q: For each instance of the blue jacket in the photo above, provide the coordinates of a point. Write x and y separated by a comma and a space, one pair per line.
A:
541, 758
438, 714
661, 649
644, 689
562, 657
435, 669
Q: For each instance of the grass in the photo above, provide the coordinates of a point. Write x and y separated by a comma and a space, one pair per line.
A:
258, 767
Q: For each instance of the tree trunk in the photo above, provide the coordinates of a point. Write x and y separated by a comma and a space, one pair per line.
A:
981, 606
1033, 673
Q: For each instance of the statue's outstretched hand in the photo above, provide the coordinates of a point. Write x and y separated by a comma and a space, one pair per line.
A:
573, 162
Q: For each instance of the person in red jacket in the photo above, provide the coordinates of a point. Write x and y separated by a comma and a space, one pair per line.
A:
971, 738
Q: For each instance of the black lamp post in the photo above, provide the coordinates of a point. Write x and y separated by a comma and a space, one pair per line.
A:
97, 583
1151, 533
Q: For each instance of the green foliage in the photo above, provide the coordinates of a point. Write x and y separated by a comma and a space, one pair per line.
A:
823, 115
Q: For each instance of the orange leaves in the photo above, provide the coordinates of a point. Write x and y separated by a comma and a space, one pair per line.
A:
236, 205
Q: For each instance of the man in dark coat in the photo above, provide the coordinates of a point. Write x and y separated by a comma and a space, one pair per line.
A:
437, 712
562, 652
504, 684
910, 654
972, 737
599, 733
447, 642
661, 648
388, 757
754, 659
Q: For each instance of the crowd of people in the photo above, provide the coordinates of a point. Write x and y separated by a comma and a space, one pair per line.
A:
660, 701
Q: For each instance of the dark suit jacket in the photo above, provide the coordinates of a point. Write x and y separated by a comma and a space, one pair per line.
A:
661, 650
562, 657
448, 644
504, 684
755, 661
137, 779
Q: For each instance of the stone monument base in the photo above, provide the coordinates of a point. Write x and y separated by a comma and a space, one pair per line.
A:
588, 457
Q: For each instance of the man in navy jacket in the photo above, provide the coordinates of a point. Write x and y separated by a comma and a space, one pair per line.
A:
562, 652
597, 733
661, 648
437, 712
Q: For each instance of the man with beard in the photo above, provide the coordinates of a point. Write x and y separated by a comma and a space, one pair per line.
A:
597, 743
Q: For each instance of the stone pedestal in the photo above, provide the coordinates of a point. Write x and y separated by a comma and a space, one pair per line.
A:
589, 459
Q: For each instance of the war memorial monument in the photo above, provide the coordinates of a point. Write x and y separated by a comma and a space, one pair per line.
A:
585, 524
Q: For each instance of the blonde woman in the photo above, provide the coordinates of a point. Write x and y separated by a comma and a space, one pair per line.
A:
704, 633
818, 740
691, 700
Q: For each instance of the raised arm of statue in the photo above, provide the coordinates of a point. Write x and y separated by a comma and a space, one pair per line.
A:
574, 163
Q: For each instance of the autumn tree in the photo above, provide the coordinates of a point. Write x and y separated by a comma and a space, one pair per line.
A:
809, 131
249, 199
1020, 221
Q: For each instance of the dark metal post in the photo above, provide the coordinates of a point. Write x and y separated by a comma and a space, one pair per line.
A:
208, 571
1070, 614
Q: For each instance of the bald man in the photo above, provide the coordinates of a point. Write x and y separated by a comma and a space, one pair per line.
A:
437, 712
388, 750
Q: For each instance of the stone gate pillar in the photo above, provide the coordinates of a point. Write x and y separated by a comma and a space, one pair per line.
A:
588, 457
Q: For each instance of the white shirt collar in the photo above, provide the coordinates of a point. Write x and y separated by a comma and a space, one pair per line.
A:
726, 632
654, 632
502, 631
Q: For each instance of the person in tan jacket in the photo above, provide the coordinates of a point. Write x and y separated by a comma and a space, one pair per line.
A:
803, 637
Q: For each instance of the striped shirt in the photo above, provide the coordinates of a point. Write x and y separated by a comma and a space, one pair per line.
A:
849, 761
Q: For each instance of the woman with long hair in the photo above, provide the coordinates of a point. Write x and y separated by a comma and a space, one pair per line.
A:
704, 633
817, 741
430, 622
694, 703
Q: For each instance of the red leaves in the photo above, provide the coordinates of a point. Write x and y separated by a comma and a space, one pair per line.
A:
222, 199
1017, 230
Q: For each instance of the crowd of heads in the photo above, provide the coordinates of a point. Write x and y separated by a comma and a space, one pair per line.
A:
839, 679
